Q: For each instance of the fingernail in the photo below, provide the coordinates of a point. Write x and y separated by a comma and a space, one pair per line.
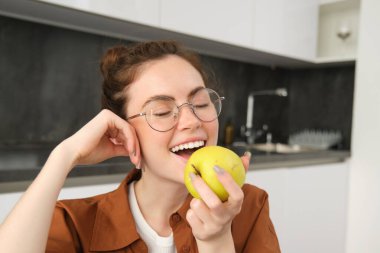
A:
192, 176
247, 153
133, 152
218, 169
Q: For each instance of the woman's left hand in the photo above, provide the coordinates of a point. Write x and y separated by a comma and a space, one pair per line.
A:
210, 218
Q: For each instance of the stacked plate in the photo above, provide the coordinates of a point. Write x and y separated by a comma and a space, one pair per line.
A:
318, 139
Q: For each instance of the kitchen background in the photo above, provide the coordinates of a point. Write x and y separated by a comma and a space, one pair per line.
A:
325, 52
50, 87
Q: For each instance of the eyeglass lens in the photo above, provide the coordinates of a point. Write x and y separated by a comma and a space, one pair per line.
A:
162, 114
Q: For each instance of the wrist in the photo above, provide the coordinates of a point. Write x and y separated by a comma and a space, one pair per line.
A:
223, 243
66, 154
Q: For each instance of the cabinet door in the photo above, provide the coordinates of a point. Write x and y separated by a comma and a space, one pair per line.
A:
316, 204
287, 28
308, 206
225, 21
140, 11
274, 182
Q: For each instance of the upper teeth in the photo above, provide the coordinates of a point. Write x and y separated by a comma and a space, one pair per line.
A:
195, 144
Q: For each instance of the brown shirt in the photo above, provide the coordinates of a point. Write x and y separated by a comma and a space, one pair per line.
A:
104, 223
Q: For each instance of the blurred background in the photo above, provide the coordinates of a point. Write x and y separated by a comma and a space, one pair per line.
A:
301, 84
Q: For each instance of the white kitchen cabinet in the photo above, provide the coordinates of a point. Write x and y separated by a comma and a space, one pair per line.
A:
224, 21
308, 205
281, 27
8, 200
287, 28
273, 181
139, 11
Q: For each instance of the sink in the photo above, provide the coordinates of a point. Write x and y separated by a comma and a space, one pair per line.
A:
265, 148
281, 148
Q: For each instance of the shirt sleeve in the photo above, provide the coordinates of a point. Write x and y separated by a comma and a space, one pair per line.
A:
62, 234
263, 238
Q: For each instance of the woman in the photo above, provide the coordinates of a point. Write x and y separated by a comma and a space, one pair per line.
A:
157, 111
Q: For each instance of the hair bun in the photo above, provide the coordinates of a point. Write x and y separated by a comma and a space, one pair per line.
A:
111, 61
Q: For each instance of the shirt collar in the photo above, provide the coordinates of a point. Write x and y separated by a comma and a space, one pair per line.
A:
183, 209
114, 226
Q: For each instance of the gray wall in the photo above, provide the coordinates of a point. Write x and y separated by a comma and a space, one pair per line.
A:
50, 87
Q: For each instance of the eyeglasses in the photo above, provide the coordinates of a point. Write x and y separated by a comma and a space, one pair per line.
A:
162, 114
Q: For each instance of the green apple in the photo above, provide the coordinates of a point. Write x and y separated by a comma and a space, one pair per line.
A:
202, 163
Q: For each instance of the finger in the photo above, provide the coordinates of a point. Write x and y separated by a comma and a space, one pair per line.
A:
246, 158
194, 221
134, 145
111, 148
236, 194
120, 151
205, 192
113, 133
93, 128
200, 210
115, 141
128, 135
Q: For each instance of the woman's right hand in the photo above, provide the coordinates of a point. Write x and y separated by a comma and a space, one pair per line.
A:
105, 136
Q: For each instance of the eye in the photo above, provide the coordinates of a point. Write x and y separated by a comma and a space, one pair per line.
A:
162, 114
161, 109
201, 105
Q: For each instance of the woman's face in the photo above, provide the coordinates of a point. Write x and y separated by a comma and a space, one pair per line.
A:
173, 77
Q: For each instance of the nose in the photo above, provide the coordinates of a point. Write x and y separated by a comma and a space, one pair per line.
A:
187, 118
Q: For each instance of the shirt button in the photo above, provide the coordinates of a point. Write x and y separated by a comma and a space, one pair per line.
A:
185, 249
176, 218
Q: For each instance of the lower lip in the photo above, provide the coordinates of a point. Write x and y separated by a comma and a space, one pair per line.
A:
184, 159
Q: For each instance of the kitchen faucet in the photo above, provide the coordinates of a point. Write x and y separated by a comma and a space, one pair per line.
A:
248, 130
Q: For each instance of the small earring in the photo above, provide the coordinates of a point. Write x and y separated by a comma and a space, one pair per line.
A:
139, 167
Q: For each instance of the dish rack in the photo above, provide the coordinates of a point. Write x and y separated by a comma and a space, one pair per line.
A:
317, 139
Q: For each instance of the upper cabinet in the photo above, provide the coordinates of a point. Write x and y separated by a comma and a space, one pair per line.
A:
281, 27
288, 28
225, 21
297, 33
140, 11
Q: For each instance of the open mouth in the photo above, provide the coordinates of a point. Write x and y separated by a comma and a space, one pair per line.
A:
186, 149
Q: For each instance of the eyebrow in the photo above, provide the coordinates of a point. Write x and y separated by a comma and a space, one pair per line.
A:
166, 97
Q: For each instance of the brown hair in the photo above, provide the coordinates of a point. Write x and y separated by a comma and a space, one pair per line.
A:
121, 64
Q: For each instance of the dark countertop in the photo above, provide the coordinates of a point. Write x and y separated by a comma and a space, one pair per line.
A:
271, 161
18, 167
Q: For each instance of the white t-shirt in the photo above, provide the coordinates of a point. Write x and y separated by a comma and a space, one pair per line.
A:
155, 243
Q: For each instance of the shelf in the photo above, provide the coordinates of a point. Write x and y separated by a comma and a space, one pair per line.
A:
339, 5
335, 61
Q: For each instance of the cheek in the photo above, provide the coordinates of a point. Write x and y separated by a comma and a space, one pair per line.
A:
143, 134
212, 129
149, 139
